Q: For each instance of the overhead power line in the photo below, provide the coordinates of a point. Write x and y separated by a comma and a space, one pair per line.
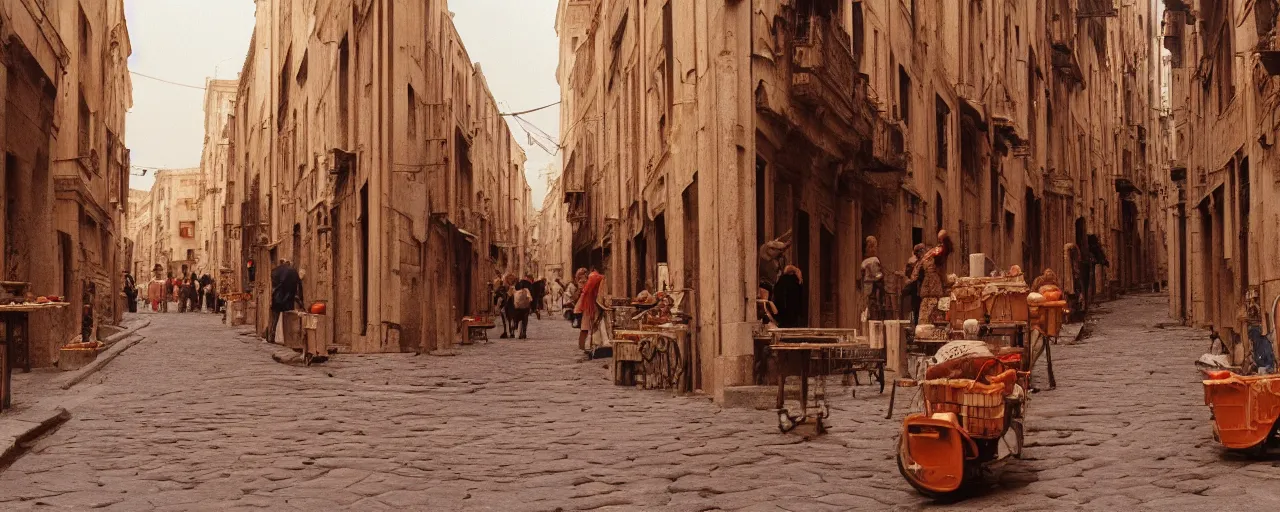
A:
528, 111
167, 81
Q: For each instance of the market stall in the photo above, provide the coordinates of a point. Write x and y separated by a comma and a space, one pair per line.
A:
15, 307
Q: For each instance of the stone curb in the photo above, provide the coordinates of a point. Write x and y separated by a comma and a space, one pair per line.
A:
25, 427
102, 360
125, 333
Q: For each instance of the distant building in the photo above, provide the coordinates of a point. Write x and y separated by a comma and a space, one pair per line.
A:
165, 225
214, 251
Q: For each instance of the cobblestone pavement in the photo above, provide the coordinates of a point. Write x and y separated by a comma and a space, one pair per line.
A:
197, 417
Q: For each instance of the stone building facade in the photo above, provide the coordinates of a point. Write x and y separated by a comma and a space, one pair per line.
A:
366, 148
211, 202
695, 131
165, 226
66, 87
140, 234
551, 236
1224, 59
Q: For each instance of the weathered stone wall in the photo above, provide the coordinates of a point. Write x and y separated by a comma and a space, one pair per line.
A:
66, 89
729, 124
369, 151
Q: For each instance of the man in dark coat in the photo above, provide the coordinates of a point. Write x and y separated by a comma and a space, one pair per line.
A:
130, 292
539, 296
206, 294
286, 294
788, 296
1093, 256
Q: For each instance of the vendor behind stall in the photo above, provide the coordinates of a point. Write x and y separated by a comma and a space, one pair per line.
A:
788, 296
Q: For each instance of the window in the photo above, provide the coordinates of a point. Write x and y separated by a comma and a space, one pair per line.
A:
344, 101
187, 229
615, 49
668, 41
413, 114
804, 20
302, 71
1219, 46
191, 255
904, 96
86, 35
943, 118
283, 105
84, 125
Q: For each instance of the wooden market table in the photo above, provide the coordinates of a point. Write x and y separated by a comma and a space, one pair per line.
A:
661, 354
476, 328
795, 358
16, 351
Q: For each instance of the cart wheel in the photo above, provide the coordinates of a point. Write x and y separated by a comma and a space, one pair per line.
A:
971, 473
785, 422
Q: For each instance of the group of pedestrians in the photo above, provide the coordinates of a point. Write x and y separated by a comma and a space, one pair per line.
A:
193, 292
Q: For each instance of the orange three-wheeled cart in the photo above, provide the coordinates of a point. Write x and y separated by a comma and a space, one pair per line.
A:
1244, 409
972, 418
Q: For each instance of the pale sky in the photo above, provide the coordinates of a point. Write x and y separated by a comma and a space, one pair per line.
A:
185, 41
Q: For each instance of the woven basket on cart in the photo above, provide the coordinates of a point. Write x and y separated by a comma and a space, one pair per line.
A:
980, 407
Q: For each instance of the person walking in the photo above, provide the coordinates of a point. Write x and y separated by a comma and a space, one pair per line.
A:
182, 295
130, 292
206, 293
1094, 256
568, 299
499, 302
167, 295
587, 309
580, 282
539, 296
522, 302
286, 294
193, 293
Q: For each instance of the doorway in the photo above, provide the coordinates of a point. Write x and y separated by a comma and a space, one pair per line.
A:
1184, 288
462, 272
802, 258
827, 270
640, 247
1032, 241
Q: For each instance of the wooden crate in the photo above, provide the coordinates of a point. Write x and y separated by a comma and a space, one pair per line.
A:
965, 310
1010, 307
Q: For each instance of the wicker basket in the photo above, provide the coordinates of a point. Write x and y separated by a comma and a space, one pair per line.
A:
980, 407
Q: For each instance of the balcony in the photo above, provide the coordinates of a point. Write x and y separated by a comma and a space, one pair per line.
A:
1177, 170
1096, 9
888, 146
825, 69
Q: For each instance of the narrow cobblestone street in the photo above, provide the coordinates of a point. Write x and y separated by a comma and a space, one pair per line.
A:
198, 417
